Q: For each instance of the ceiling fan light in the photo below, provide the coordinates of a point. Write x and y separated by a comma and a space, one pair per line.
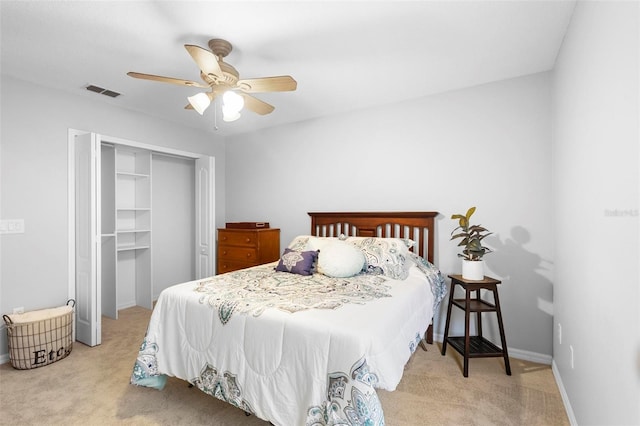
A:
200, 102
230, 115
232, 101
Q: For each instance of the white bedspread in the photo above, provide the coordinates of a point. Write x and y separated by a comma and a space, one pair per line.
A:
313, 366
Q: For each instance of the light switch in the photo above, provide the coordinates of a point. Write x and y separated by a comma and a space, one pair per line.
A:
12, 226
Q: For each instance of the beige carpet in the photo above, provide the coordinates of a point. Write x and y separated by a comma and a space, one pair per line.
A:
91, 387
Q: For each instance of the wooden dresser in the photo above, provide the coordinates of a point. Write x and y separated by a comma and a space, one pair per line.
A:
242, 248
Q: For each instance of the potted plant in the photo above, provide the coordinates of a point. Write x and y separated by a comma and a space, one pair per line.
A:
472, 236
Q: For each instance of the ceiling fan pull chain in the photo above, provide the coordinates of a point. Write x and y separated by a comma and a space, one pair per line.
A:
215, 114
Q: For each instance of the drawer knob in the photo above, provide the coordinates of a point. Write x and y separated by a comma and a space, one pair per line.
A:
224, 238
248, 240
224, 252
248, 254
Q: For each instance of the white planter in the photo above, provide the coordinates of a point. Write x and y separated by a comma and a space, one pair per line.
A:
473, 269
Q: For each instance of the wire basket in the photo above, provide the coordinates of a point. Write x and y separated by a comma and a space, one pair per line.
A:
40, 338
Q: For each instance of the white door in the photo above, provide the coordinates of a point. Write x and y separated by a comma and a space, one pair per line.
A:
205, 229
87, 238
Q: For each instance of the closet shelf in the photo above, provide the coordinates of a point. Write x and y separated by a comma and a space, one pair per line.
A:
132, 175
131, 209
128, 248
132, 231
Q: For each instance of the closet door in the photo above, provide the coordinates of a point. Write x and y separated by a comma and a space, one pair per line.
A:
87, 240
205, 220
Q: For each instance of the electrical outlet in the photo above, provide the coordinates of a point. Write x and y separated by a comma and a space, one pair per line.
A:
19, 310
571, 350
559, 333
12, 226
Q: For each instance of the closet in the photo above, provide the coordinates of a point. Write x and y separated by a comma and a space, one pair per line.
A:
125, 228
117, 206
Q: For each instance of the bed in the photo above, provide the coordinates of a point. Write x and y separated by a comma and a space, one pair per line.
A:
305, 340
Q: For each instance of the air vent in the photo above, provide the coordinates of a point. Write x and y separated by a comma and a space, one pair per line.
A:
102, 91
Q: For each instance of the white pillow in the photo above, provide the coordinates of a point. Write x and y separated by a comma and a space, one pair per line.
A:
339, 260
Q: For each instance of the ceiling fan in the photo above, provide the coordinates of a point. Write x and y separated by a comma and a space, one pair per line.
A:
224, 80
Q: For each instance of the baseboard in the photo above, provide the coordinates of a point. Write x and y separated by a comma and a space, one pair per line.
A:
530, 356
563, 394
127, 305
516, 353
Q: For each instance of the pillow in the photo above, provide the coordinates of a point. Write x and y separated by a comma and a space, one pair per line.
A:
317, 243
299, 243
339, 260
384, 256
408, 242
402, 244
297, 262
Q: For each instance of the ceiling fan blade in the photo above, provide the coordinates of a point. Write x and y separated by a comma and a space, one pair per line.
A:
256, 105
283, 83
161, 79
206, 60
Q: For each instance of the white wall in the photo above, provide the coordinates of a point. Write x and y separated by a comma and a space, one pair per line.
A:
595, 151
487, 146
33, 182
173, 219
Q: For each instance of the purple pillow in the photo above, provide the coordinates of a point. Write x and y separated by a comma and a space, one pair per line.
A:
297, 262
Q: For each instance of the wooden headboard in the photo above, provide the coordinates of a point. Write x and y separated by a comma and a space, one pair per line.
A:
418, 226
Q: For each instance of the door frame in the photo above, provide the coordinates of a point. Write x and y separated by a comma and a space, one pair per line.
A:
72, 133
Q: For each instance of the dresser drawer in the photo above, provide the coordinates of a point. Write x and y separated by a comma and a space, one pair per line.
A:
237, 253
231, 265
243, 238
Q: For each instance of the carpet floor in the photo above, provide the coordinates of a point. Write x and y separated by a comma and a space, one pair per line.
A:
91, 387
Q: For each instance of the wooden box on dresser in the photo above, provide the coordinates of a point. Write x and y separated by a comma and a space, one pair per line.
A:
242, 248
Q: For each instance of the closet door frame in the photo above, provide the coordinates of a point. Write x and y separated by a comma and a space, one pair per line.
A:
209, 219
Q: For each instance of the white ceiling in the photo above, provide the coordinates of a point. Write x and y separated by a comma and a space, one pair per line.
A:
345, 55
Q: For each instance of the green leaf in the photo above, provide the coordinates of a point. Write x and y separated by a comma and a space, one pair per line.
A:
470, 212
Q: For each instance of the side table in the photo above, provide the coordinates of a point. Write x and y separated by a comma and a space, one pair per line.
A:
475, 346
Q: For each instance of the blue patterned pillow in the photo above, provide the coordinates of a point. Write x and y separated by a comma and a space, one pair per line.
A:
297, 262
385, 256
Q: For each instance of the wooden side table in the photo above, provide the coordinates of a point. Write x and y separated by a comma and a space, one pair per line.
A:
475, 346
